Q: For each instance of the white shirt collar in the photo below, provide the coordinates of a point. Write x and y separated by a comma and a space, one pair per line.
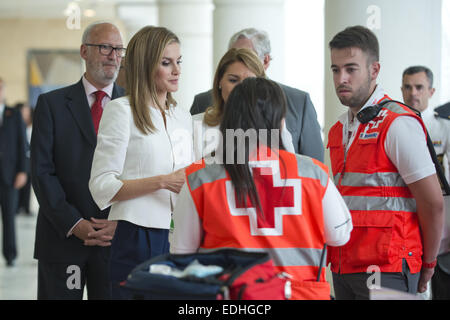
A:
346, 118
90, 89
428, 115
376, 96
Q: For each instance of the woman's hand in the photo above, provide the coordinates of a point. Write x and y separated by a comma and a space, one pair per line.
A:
174, 181
132, 189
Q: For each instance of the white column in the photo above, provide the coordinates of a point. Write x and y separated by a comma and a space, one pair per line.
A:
231, 16
137, 15
408, 31
191, 21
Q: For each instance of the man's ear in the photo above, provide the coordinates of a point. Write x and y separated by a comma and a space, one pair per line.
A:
432, 90
374, 70
266, 61
83, 51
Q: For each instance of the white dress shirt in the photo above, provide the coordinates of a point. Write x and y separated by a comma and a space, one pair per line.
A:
125, 153
439, 131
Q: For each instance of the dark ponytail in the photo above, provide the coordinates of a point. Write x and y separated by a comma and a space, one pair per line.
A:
255, 104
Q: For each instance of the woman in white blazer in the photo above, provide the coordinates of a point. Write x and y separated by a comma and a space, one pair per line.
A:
235, 66
143, 144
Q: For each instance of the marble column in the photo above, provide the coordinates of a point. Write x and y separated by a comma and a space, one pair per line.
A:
231, 16
137, 15
191, 21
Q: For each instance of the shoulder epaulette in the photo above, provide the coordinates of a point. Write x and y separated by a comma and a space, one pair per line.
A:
443, 111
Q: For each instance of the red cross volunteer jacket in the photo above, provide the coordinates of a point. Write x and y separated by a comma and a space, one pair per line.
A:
385, 223
290, 188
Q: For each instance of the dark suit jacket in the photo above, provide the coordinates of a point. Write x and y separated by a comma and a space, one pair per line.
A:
13, 146
62, 147
301, 120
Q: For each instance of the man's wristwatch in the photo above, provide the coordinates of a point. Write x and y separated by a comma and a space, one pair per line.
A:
430, 265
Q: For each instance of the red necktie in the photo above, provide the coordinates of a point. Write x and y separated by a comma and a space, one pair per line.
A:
96, 109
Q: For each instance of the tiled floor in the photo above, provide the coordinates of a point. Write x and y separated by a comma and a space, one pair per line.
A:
20, 282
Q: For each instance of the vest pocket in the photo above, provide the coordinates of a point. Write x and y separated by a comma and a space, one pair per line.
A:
310, 290
370, 239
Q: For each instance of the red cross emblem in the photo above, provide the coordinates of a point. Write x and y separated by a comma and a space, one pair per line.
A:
278, 197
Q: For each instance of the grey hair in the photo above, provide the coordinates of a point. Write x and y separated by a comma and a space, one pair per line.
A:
416, 69
259, 38
89, 28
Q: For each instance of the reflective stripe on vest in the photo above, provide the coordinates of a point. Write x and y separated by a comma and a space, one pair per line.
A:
365, 203
213, 172
356, 179
208, 174
310, 171
286, 257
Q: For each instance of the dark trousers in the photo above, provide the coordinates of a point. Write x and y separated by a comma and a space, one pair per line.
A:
66, 281
24, 197
9, 198
353, 286
440, 283
131, 246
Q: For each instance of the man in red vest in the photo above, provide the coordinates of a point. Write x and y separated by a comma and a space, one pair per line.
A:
385, 174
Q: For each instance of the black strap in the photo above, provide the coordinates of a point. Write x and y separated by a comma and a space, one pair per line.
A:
322, 261
439, 170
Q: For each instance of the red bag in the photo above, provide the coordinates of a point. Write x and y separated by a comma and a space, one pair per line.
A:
260, 282
244, 276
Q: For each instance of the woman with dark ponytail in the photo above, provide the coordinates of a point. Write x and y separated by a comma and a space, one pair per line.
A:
259, 197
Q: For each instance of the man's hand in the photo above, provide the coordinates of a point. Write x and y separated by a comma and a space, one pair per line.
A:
102, 233
82, 229
425, 277
20, 180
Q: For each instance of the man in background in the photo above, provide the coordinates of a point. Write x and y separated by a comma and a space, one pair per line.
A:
301, 117
13, 171
72, 234
417, 89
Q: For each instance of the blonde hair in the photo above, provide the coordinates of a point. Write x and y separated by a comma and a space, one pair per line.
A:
144, 53
213, 115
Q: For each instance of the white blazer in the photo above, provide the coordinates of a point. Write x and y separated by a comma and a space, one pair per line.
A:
124, 153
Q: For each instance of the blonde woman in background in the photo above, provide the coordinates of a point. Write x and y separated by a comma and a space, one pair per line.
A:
144, 143
235, 66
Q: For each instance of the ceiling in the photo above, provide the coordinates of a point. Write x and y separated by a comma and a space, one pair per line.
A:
60, 8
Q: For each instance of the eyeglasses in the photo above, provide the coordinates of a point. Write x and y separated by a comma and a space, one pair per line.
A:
106, 49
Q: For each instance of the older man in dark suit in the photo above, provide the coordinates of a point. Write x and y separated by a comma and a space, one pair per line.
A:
13, 175
72, 236
301, 117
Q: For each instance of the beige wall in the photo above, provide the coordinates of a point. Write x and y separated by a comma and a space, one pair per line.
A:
17, 36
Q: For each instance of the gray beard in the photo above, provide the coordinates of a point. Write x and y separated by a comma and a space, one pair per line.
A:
101, 76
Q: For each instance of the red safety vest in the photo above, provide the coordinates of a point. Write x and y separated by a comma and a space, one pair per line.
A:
290, 188
385, 224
